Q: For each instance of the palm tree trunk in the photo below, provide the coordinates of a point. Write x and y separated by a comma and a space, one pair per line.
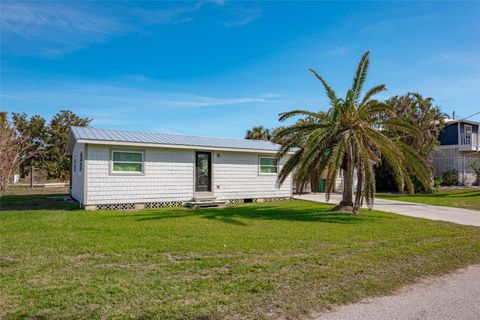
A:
347, 194
346, 205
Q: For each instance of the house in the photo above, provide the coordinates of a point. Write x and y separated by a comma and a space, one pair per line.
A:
459, 146
115, 170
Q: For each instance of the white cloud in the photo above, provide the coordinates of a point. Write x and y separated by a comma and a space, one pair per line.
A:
51, 29
242, 16
174, 14
98, 98
337, 51
458, 58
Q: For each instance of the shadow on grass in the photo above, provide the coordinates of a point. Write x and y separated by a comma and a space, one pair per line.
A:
28, 202
236, 215
233, 215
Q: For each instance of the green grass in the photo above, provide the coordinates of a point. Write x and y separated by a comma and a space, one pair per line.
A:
468, 198
255, 261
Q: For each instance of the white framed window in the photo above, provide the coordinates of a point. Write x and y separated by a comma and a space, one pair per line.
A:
468, 134
468, 129
267, 165
80, 163
130, 162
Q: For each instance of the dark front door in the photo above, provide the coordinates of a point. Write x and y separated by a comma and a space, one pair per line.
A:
203, 171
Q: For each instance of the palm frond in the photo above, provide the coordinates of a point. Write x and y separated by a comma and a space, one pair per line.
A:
372, 92
286, 115
360, 76
330, 93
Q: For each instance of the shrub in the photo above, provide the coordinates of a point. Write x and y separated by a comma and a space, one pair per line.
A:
475, 165
419, 188
450, 178
437, 181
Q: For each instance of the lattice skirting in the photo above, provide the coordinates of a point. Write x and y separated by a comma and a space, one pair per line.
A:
235, 201
276, 199
154, 205
116, 206
239, 201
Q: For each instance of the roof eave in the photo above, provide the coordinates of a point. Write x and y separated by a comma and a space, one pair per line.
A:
173, 146
460, 120
70, 143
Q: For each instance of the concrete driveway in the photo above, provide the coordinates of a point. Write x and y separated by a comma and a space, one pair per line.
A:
455, 215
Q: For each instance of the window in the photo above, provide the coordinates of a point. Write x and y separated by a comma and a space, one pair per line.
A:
127, 161
268, 165
80, 167
468, 134
468, 128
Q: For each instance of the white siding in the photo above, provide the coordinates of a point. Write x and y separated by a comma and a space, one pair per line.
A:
236, 176
168, 176
78, 176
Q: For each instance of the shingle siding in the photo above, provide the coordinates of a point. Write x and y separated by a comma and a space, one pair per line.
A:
236, 176
169, 176
78, 176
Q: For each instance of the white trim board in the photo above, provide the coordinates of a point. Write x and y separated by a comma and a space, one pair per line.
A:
174, 146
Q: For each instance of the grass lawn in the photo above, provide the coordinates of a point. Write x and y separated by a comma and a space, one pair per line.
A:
468, 198
255, 261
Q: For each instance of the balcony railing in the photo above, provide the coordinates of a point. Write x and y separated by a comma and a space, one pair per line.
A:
469, 140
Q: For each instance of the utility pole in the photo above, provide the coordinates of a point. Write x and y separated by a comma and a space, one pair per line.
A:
31, 176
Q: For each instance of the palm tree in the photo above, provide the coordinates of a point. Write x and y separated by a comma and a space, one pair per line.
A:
350, 137
258, 133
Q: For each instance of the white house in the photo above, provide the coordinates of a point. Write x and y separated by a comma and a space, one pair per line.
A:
114, 169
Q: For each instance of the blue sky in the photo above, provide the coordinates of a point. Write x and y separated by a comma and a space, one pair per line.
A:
217, 68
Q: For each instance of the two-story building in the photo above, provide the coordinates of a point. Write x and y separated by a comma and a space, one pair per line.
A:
459, 146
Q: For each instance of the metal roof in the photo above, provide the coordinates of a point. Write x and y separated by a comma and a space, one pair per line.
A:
452, 121
92, 135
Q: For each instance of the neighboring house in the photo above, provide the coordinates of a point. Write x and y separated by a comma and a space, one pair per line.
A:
459, 146
320, 187
114, 169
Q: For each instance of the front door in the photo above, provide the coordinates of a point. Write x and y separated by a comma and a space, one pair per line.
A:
203, 171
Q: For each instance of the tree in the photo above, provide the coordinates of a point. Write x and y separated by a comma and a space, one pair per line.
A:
57, 138
423, 115
420, 113
475, 165
258, 133
351, 137
35, 130
14, 147
280, 138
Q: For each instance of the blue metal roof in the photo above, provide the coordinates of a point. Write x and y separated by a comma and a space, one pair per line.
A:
93, 134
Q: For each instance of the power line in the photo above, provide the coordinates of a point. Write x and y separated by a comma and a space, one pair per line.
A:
470, 116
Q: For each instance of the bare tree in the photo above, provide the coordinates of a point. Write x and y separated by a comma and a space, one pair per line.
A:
14, 149
475, 165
